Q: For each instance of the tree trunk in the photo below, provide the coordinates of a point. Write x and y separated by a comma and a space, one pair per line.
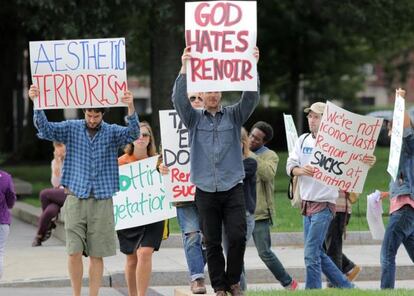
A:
167, 43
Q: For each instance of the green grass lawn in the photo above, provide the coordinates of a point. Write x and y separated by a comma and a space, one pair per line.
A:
286, 218
332, 292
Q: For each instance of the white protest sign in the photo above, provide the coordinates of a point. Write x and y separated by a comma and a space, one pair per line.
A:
176, 155
374, 215
396, 136
222, 36
291, 132
343, 140
141, 199
84, 73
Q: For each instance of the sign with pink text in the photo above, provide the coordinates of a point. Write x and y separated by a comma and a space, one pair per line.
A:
343, 140
84, 73
222, 36
141, 198
176, 155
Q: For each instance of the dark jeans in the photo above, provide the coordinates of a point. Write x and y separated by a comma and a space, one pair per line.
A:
52, 200
334, 241
400, 230
225, 208
261, 237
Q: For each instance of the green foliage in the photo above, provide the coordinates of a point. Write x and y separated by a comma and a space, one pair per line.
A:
326, 42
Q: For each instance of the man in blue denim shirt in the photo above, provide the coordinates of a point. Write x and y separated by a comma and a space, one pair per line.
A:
217, 171
90, 177
400, 228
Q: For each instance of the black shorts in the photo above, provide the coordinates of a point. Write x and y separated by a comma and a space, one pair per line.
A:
131, 239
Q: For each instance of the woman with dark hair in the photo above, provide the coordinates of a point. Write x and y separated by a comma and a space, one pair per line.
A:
138, 243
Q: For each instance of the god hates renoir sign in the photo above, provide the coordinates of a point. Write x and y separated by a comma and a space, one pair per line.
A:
176, 155
222, 36
141, 198
342, 142
79, 73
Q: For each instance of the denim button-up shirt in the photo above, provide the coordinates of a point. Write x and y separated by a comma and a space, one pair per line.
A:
215, 153
91, 164
404, 183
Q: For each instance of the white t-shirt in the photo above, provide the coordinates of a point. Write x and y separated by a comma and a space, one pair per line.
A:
310, 189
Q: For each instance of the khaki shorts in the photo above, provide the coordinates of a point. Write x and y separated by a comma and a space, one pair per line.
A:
89, 226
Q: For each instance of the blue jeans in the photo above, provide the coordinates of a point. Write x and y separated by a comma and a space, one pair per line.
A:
249, 232
261, 237
400, 229
316, 260
188, 221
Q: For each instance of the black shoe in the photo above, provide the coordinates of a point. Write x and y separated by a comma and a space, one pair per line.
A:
48, 233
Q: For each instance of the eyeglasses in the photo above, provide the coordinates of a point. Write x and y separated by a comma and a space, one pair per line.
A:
145, 135
193, 98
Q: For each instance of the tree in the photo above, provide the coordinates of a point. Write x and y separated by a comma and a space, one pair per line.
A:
324, 43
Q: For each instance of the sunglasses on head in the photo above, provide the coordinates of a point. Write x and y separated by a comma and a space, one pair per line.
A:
193, 98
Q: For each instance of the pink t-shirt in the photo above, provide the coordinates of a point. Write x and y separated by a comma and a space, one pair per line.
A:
400, 201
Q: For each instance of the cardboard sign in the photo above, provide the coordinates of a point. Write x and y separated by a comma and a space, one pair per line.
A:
141, 199
176, 155
342, 142
88, 73
396, 136
222, 36
291, 132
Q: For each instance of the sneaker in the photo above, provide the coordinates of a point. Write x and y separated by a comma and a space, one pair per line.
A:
353, 273
235, 290
198, 286
293, 285
221, 293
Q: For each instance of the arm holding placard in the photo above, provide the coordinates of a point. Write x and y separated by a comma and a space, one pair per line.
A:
179, 97
249, 99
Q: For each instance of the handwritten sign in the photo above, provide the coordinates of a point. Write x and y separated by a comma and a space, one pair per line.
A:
141, 198
342, 142
291, 133
222, 36
396, 136
79, 73
176, 155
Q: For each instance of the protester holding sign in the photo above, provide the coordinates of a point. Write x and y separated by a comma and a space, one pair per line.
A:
139, 243
400, 228
189, 222
90, 178
318, 206
217, 171
267, 161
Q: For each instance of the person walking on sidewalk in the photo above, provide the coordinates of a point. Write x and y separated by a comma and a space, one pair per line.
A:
189, 222
334, 237
400, 228
267, 160
217, 172
51, 199
318, 207
139, 243
7, 200
90, 178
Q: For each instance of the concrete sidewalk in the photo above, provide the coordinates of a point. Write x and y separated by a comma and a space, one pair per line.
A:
46, 266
